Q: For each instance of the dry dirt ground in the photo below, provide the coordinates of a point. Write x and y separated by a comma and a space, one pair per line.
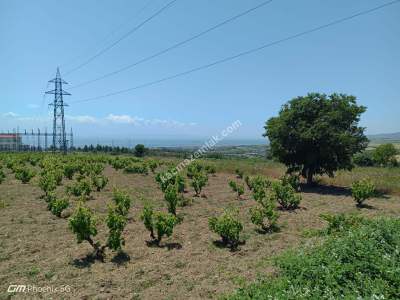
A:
37, 248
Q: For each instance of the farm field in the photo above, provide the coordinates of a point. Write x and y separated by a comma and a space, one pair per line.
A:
38, 248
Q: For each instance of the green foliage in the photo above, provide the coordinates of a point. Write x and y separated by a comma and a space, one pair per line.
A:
69, 170
361, 262
158, 222
385, 154
285, 195
140, 150
264, 216
81, 187
259, 186
171, 197
24, 174
83, 224
362, 190
99, 182
292, 180
147, 218
199, 181
247, 180
136, 168
56, 206
116, 224
122, 202
171, 177
153, 164
317, 134
193, 169
228, 226
2, 175
210, 169
164, 224
239, 173
364, 159
341, 222
237, 188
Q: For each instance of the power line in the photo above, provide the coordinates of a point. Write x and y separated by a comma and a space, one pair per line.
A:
111, 33
231, 19
229, 58
102, 51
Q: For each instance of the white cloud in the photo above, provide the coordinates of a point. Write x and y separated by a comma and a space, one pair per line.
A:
111, 118
124, 119
82, 119
10, 114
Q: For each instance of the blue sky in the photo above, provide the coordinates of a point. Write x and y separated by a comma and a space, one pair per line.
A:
359, 57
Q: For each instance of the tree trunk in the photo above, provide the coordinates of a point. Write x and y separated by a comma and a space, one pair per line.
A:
310, 174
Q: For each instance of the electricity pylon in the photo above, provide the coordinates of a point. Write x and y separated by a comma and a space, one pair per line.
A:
59, 136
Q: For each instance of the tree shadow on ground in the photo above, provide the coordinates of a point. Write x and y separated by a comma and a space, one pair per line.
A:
169, 246
221, 245
84, 262
121, 258
366, 206
326, 190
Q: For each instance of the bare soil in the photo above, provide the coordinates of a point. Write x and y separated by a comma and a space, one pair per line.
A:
37, 248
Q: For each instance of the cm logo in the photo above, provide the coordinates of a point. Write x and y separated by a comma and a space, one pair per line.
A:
16, 288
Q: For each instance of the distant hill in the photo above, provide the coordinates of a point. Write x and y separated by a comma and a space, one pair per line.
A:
385, 137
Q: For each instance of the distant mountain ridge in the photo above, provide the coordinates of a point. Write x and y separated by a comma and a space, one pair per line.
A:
384, 136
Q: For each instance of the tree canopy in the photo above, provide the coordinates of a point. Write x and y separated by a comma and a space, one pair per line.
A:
317, 134
385, 154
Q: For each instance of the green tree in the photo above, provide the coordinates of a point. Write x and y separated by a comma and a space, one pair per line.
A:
317, 134
140, 150
384, 154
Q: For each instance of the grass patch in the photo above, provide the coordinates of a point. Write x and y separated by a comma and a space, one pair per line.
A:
357, 262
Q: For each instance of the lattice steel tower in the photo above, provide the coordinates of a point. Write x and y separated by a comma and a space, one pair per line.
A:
59, 135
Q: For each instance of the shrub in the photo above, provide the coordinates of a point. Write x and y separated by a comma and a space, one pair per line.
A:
228, 226
362, 190
158, 222
341, 222
210, 169
47, 183
362, 262
239, 173
193, 169
286, 196
116, 224
136, 168
364, 159
171, 197
164, 224
122, 202
259, 182
69, 170
265, 215
2, 176
83, 224
82, 187
147, 218
247, 180
24, 174
56, 206
170, 177
99, 182
153, 164
384, 154
237, 188
292, 180
199, 180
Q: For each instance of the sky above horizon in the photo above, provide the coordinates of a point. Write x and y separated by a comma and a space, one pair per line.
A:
359, 57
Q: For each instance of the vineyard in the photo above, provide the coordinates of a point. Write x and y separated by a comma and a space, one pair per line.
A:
129, 227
